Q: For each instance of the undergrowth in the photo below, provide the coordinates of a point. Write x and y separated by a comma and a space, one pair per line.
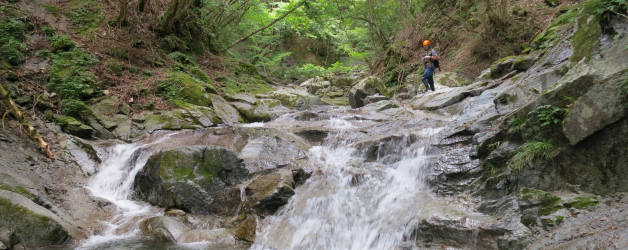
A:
531, 151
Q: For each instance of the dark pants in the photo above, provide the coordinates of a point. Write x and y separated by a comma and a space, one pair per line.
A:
428, 78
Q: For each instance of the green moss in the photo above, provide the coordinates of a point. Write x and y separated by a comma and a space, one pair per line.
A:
583, 202
75, 108
586, 39
34, 230
548, 203
73, 126
559, 220
529, 152
180, 86
18, 189
85, 15
245, 85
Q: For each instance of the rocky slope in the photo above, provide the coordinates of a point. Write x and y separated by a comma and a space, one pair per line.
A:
535, 147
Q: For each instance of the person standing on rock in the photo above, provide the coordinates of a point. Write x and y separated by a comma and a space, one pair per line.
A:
431, 63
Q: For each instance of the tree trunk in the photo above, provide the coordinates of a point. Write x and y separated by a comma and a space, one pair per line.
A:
5, 100
141, 5
123, 15
177, 11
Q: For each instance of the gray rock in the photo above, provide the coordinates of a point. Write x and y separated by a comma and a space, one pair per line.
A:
602, 105
374, 98
29, 224
164, 228
365, 87
267, 193
224, 110
190, 117
315, 85
461, 232
219, 236
268, 152
252, 113
195, 179
241, 98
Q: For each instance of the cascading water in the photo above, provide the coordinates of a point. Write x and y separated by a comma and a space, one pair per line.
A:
114, 182
352, 204
351, 201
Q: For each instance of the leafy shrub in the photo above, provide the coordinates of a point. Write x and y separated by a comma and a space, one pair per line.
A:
86, 17
48, 31
307, 71
549, 115
531, 151
62, 43
13, 52
182, 58
339, 68
12, 29
69, 76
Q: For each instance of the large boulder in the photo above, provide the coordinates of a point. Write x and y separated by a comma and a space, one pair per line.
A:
365, 87
602, 105
22, 222
224, 110
293, 97
198, 179
188, 117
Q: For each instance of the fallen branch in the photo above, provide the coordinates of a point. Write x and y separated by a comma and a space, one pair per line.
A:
5, 99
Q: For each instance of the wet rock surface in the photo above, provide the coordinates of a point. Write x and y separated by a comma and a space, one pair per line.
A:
196, 179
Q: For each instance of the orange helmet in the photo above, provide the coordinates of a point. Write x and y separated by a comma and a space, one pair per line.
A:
426, 43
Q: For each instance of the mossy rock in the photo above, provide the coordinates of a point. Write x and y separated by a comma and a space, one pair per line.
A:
252, 113
188, 117
365, 87
28, 224
224, 110
582, 202
546, 202
586, 39
74, 127
180, 86
510, 63
194, 179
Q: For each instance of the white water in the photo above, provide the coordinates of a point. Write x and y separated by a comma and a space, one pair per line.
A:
334, 211
347, 203
114, 182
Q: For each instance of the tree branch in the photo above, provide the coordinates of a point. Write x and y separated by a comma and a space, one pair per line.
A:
265, 27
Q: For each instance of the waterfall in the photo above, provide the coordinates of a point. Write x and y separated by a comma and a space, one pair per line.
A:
114, 183
352, 204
